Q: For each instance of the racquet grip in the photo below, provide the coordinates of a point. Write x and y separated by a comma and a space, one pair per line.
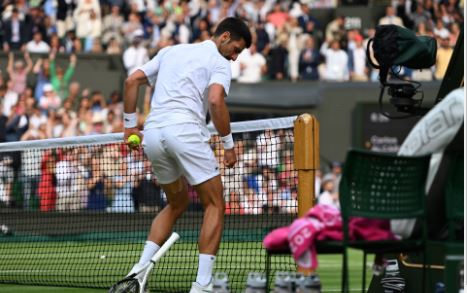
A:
165, 247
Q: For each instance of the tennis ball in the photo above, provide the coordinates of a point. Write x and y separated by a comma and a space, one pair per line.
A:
134, 140
102, 257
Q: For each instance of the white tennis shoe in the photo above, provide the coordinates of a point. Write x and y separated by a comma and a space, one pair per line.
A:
197, 288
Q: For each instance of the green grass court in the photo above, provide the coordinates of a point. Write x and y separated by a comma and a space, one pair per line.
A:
83, 263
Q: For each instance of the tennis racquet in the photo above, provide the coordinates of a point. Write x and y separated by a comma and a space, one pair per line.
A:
136, 282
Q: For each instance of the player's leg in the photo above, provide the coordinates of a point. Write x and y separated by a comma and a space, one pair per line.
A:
162, 225
174, 186
177, 203
210, 193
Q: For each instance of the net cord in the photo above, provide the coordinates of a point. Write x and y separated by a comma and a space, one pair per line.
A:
236, 127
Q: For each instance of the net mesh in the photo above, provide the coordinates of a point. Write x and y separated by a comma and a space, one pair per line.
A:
76, 212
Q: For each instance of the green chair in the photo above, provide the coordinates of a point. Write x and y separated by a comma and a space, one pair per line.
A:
454, 195
382, 186
454, 198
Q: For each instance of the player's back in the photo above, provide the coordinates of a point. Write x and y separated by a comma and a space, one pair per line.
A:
184, 75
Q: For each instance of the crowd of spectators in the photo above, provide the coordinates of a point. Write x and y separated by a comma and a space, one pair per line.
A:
289, 44
110, 178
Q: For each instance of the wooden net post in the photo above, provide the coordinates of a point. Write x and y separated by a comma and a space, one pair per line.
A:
306, 162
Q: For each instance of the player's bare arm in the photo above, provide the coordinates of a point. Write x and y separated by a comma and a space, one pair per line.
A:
132, 84
221, 119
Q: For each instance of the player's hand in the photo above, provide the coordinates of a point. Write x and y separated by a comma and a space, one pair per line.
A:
230, 158
129, 131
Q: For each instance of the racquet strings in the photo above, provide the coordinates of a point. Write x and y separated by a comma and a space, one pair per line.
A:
126, 286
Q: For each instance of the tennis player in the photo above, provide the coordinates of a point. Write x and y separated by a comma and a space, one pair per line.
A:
191, 78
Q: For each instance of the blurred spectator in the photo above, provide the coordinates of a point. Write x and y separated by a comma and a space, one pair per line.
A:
46, 189
147, 193
358, 67
136, 55
18, 121
59, 79
96, 47
87, 16
455, 32
268, 148
309, 61
443, 56
64, 16
420, 15
10, 98
50, 100
440, 29
252, 65
15, 32
336, 63
391, 17
263, 42
37, 45
294, 46
329, 195
132, 25
97, 124
18, 71
96, 182
335, 29
278, 17
305, 17
122, 191
113, 47
278, 59
42, 71
112, 26
36, 120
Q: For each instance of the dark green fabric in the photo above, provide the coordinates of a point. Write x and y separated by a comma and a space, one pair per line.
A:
396, 45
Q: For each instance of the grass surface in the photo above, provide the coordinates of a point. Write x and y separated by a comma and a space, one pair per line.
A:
97, 264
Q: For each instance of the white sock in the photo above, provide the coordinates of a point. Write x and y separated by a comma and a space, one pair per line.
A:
206, 262
150, 248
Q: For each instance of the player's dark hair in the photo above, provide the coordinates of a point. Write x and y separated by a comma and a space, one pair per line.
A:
237, 28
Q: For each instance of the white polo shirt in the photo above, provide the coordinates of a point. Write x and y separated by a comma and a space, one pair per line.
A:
184, 74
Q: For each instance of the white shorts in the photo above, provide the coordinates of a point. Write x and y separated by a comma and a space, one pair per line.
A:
181, 149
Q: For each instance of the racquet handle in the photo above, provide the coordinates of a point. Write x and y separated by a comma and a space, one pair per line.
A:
165, 247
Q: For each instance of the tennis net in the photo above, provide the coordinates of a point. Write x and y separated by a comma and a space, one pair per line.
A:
76, 211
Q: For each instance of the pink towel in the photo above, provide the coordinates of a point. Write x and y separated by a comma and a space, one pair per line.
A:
322, 222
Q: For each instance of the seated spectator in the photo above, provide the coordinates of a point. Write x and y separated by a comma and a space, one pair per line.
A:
37, 45
336, 63
309, 61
